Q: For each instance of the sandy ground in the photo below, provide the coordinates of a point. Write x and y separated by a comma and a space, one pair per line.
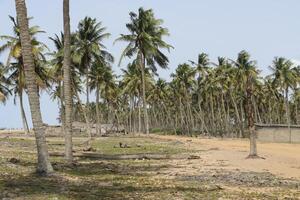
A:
226, 154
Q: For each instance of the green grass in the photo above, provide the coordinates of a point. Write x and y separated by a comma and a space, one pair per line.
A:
137, 146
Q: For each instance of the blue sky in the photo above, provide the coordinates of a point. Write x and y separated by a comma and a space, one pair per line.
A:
265, 28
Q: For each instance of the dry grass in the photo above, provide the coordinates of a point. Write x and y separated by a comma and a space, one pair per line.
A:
189, 170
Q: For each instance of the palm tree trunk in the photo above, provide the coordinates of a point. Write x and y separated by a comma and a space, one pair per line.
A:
288, 119
250, 113
139, 115
236, 111
296, 111
44, 166
144, 94
88, 127
62, 107
224, 115
181, 115
67, 83
23, 115
98, 126
213, 126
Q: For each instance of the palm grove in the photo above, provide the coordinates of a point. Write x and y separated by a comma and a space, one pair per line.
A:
223, 98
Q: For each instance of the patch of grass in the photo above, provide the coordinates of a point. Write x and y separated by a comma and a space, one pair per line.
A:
137, 145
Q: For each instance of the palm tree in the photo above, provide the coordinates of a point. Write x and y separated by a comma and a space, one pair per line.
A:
44, 166
89, 46
102, 80
202, 67
67, 83
285, 77
132, 85
90, 49
246, 72
184, 81
145, 42
15, 66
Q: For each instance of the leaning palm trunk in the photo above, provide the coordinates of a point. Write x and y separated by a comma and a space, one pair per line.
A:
67, 83
23, 115
239, 121
144, 95
44, 166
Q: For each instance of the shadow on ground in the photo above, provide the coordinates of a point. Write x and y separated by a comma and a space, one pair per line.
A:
96, 180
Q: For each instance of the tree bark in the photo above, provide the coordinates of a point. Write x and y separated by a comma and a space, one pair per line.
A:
98, 129
250, 116
139, 115
67, 83
236, 111
144, 95
44, 166
62, 107
88, 127
288, 113
23, 115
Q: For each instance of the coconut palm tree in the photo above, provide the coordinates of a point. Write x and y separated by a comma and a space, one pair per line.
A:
202, 67
89, 46
89, 49
102, 80
184, 80
132, 86
145, 42
285, 78
44, 166
247, 73
15, 66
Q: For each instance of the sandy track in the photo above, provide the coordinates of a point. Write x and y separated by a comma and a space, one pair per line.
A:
280, 159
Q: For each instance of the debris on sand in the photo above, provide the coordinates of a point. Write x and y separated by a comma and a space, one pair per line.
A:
91, 149
14, 160
193, 157
250, 179
121, 145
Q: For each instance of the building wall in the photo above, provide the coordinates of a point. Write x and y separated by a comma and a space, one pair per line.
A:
278, 134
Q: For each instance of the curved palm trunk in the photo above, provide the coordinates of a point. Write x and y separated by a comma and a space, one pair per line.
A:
44, 166
67, 83
144, 95
23, 115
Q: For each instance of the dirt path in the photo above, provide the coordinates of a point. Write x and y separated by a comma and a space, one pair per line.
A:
280, 159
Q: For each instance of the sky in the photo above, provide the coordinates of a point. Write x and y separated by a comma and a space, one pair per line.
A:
265, 28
